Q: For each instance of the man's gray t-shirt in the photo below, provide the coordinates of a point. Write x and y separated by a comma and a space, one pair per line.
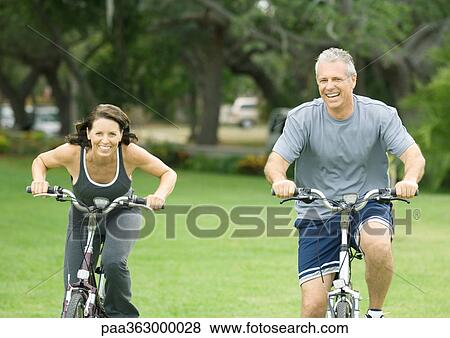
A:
341, 156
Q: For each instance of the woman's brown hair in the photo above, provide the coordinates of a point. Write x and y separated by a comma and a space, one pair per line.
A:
106, 111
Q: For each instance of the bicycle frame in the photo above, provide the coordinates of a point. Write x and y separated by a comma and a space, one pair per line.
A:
86, 280
87, 283
343, 291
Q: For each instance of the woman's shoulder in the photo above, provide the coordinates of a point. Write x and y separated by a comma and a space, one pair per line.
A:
133, 153
64, 155
68, 152
130, 150
69, 149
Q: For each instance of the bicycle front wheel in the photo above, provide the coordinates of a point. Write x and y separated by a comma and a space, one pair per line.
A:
76, 306
343, 309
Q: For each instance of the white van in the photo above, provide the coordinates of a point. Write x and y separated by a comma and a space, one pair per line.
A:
243, 112
46, 119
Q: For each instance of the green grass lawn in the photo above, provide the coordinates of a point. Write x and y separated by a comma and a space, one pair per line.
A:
216, 277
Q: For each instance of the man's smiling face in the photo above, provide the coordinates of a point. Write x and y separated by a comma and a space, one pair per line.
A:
336, 87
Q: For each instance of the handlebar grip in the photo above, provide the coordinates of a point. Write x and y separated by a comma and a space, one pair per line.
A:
295, 192
140, 200
394, 193
50, 190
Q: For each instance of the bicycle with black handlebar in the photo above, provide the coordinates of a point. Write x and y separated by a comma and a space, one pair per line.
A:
343, 300
84, 298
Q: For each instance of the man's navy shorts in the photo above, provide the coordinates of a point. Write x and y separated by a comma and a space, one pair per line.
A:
319, 240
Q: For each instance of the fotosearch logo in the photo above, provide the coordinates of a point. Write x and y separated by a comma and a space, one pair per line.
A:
213, 221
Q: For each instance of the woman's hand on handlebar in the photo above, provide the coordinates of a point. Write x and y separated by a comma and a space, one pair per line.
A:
39, 187
155, 202
406, 189
284, 188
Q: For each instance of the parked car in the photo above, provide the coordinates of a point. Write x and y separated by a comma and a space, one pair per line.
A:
277, 120
45, 118
6, 116
243, 112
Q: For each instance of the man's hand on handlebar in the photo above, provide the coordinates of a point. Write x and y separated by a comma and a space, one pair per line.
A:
284, 188
406, 188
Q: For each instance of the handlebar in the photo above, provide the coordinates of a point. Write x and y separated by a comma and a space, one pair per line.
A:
62, 194
309, 195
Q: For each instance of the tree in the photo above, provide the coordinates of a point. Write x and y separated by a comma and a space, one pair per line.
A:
16, 81
432, 125
33, 36
167, 54
17, 92
276, 43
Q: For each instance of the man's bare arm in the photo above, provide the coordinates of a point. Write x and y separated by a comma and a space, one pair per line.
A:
414, 163
275, 171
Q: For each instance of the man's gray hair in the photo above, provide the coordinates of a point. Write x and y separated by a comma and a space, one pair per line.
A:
337, 54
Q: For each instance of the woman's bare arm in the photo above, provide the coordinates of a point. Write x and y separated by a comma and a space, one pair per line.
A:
62, 156
141, 158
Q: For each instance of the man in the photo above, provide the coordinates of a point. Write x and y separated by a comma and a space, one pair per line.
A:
339, 144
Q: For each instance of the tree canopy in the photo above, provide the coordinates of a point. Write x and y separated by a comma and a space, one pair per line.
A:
189, 56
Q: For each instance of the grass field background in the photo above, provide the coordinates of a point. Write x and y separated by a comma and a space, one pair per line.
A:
192, 277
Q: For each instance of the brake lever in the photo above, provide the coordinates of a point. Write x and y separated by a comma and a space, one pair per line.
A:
400, 199
44, 194
382, 199
131, 204
63, 198
306, 200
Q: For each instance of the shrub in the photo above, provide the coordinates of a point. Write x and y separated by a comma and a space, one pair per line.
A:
171, 154
5, 143
222, 164
26, 142
252, 164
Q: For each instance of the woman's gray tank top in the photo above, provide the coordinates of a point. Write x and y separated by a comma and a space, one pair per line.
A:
86, 189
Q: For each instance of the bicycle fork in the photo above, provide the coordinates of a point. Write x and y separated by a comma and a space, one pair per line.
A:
342, 286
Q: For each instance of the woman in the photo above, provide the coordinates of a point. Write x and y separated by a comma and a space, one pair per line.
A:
101, 158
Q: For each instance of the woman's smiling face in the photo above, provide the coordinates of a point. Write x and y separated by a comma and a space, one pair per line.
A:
105, 136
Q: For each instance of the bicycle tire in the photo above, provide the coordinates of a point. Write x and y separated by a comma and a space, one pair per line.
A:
76, 306
343, 309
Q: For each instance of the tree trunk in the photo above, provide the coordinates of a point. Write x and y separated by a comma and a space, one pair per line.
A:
17, 98
120, 49
22, 121
62, 98
191, 103
74, 110
210, 83
87, 97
